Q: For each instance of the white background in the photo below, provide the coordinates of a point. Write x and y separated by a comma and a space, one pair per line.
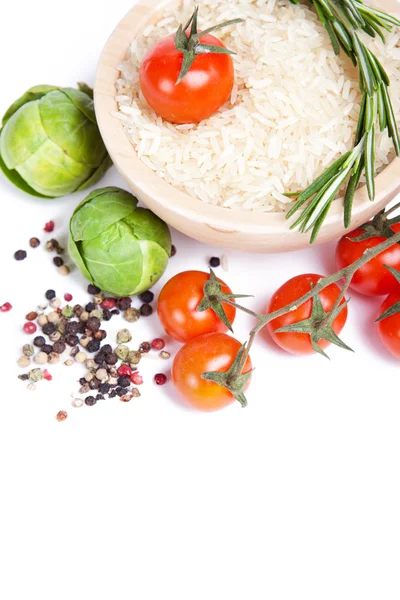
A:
295, 497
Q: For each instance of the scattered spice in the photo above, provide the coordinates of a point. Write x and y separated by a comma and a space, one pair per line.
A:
24, 362
214, 262
20, 255
31, 387
124, 303
64, 270
173, 250
28, 350
144, 347
160, 379
146, 297
29, 328
158, 344
108, 303
90, 401
39, 341
68, 297
6, 307
61, 416
136, 378
69, 363
93, 289
54, 246
42, 320
146, 310
31, 316
124, 336
41, 358
165, 355
46, 375
49, 227
50, 294
77, 402
35, 375
132, 315
224, 262
34, 242
58, 261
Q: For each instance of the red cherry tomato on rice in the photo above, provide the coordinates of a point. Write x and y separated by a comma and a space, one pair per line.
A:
294, 342
373, 279
177, 305
203, 90
211, 352
389, 328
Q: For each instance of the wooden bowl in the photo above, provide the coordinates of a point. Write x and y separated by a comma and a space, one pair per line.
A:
224, 227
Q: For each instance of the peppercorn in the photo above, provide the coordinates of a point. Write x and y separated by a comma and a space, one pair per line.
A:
122, 352
61, 325
72, 340
42, 320
90, 364
99, 397
147, 297
68, 297
106, 315
115, 312
126, 398
134, 357
68, 362
74, 352
136, 378
28, 350
61, 416
31, 387
102, 375
59, 347
158, 344
39, 341
165, 355
47, 348
99, 360
85, 388
131, 315
98, 298
124, 303
31, 316
90, 401
24, 362
53, 317
58, 261
100, 335
54, 358
63, 270
72, 327
173, 250
50, 294
112, 394
104, 388
108, 303
81, 357
55, 302
29, 327
123, 336
135, 393
160, 379
48, 328
214, 262
35, 375
77, 402
93, 346
146, 310
144, 347
55, 337
107, 348
41, 358
124, 381
67, 311
78, 310
90, 306
6, 307
93, 289
34, 242
121, 391
23, 377
49, 227
20, 255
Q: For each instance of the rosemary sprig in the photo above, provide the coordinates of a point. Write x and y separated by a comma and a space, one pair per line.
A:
319, 325
343, 20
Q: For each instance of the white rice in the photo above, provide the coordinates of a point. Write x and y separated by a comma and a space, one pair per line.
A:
292, 112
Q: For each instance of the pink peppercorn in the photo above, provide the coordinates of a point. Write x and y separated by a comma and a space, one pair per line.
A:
160, 379
46, 375
68, 297
158, 344
108, 303
49, 227
29, 327
136, 378
124, 370
5, 307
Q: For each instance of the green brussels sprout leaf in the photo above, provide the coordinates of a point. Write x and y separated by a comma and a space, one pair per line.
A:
77, 258
85, 88
146, 226
97, 174
82, 102
34, 93
17, 180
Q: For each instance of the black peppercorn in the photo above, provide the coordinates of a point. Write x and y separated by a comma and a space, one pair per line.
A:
39, 341
124, 381
115, 312
82, 381
93, 346
78, 310
106, 314
72, 327
90, 306
147, 297
47, 348
124, 303
90, 401
173, 250
112, 394
92, 384
121, 391
106, 349
72, 340
100, 335
214, 262
104, 388
99, 397
111, 359
34, 242
92, 289
20, 255
50, 294
146, 310
59, 347
58, 261
99, 360
48, 328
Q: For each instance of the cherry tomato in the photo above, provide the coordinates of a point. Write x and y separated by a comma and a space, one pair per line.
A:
372, 279
294, 342
203, 90
210, 352
177, 305
389, 328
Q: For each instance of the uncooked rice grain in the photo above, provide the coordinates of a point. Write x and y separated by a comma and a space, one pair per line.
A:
292, 112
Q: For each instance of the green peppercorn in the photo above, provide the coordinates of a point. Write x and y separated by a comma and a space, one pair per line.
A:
28, 350
131, 315
134, 357
123, 336
122, 352
35, 375
67, 312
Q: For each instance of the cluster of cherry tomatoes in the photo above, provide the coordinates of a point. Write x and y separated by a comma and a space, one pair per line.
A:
207, 347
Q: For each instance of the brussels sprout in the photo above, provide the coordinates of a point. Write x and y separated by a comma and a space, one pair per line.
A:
120, 248
50, 144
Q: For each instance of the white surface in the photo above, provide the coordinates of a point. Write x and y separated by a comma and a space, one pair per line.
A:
295, 497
